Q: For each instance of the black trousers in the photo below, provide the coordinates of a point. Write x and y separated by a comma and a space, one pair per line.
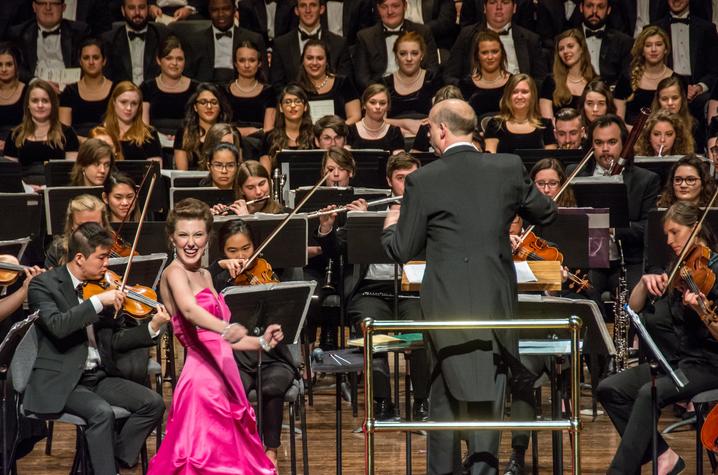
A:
626, 396
380, 308
93, 398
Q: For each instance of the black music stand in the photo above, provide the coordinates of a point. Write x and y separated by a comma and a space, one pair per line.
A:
603, 192
424, 157
184, 178
531, 156
287, 249
11, 176
7, 351
56, 201
340, 196
661, 166
24, 211
209, 195
569, 232
145, 270
57, 172
153, 236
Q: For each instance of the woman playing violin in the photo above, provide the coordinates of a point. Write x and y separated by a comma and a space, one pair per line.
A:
549, 176
683, 329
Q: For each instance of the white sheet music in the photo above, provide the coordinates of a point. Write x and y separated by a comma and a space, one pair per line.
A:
524, 273
319, 109
414, 272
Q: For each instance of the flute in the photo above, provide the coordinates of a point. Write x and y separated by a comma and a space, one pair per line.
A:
383, 201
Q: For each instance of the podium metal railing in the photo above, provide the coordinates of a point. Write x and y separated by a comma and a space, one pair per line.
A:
371, 425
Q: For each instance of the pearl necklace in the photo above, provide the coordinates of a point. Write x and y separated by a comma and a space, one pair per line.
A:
243, 90
375, 131
406, 81
657, 76
324, 83
162, 83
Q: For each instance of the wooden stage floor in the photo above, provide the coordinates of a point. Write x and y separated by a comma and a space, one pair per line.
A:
598, 445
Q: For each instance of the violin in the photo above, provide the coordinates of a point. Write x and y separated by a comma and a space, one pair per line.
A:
709, 431
259, 273
141, 301
533, 248
120, 248
697, 276
10, 269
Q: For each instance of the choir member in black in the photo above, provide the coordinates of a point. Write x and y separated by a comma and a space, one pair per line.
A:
648, 67
11, 91
569, 130
82, 104
123, 120
293, 127
206, 107
671, 96
519, 124
373, 131
222, 163
118, 195
688, 181
664, 134
378, 279
688, 337
93, 164
252, 100
421, 141
164, 98
572, 71
321, 84
278, 367
330, 131
485, 84
411, 87
219, 133
40, 136
596, 101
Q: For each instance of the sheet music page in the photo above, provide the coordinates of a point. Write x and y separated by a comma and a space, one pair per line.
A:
319, 109
414, 272
524, 273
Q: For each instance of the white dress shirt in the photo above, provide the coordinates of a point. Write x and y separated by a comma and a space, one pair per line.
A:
715, 12
413, 11
335, 15
643, 16
594, 48
93, 355
568, 9
680, 43
137, 57
70, 12
222, 49
315, 31
508, 41
391, 66
271, 16
49, 51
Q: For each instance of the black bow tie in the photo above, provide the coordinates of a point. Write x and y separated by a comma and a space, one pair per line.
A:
504, 32
304, 36
223, 34
133, 35
599, 34
45, 34
388, 33
685, 21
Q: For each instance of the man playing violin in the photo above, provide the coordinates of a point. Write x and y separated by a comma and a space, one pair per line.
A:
686, 331
75, 370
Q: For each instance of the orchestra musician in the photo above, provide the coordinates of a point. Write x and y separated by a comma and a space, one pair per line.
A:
464, 236
679, 325
75, 370
569, 130
119, 196
689, 181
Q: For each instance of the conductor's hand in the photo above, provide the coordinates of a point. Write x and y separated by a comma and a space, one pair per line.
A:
233, 266
655, 283
113, 298
326, 222
273, 335
160, 318
358, 205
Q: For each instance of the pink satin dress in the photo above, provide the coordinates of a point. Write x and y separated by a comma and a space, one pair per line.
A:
211, 428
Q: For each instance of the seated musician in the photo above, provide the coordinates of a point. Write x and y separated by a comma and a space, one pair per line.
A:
371, 295
120, 197
665, 133
330, 131
569, 129
75, 370
689, 181
93, 164
685, 332
278, 368
254, 190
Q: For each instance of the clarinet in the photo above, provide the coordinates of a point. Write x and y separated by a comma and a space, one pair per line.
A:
621, 320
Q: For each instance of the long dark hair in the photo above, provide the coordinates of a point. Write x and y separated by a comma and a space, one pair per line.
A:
708, 185
193, 133
688, 215
261, 75
302, 76
229, 229
278, 137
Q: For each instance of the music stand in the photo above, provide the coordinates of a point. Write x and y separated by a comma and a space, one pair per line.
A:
24, 211
531, 156
331, 195
11, 176
287, 249
56, 201
209, 195
661, 166
57, 172
7, 352
604, 192
153, 236
424, 157
184, 178
145, 270
569, 232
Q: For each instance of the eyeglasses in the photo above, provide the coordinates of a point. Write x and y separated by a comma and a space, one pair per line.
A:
690, 180
223, 166
289, 102
48, 4
548, 183
208, 102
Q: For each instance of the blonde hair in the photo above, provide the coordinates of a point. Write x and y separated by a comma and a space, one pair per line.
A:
506, 112
77, 204
561, 94
55, 136
638, 63
138, 133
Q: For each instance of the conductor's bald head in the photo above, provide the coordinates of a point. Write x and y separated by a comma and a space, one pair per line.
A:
451, 121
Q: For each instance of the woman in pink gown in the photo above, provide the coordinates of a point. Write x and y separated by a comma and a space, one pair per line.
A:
211, 428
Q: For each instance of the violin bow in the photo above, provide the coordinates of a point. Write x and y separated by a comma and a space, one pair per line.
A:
150, 188
132, 203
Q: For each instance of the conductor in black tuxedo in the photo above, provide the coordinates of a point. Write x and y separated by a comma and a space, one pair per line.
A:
212, 50
47, 41
458, 210
607, 135
74, 371
132, 47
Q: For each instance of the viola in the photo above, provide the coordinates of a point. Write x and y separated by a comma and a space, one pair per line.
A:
533, 248
709, 431
259, 273
697, 276
10, 269
140, 303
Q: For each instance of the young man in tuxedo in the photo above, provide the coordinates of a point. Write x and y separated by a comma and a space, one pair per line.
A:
374, 56
78, 344
132, 48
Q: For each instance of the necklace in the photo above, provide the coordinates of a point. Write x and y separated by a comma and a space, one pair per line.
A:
12, 92
169, 87
575, 81
373, 131
243, 90
519, 122
406, 80
482, 77
656, 76
324, 83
